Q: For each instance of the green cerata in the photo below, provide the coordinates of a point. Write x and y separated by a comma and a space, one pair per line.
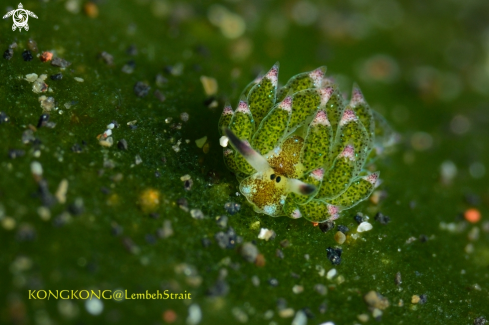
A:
301, 150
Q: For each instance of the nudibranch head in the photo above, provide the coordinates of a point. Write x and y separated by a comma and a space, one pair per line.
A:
300, 150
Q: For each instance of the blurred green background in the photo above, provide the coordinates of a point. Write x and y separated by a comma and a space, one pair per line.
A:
125, 222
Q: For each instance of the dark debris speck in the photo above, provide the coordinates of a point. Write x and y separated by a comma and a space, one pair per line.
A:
43, 119
141, 89
323, 308
76, 148
159, 95
27, 55
279, 253
326, 226
105, 190
206, 242
382, 219
343, 229
187, 185
116, 229
423, 299
154, 215
8, 54
26, 233
227, 239
47, 198
150, 239
57, 76
472, 199
285, 243
358, 218
132, 50
398, 278
309, 313
334, 255
232, 207
59, 62
122, 144
281, 303
77, 207
16, 153
3, 118
423, 238
182, 203
220, 288
480, 321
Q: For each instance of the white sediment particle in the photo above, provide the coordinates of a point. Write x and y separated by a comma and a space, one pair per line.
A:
79, 79
197, 214
185, 177
297, 289
364, 226
94, 306
138, 159
223, 141
31, 77
331, 274
107, 142
300, 318
61, 191
209, 84
265, 234
194, 314
320, 270
36, 168
286, 313
44, 213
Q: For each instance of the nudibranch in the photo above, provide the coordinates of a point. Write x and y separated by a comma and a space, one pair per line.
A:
300, 150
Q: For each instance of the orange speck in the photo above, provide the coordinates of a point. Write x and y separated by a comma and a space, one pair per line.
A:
472, 215
260, 260
91, 10
315, 224
46, 56
149, 200
169, 316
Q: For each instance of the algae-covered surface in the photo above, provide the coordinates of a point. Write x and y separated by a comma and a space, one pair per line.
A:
149, 216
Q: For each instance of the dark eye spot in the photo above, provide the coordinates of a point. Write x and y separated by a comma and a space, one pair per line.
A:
272, 177
278, 179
